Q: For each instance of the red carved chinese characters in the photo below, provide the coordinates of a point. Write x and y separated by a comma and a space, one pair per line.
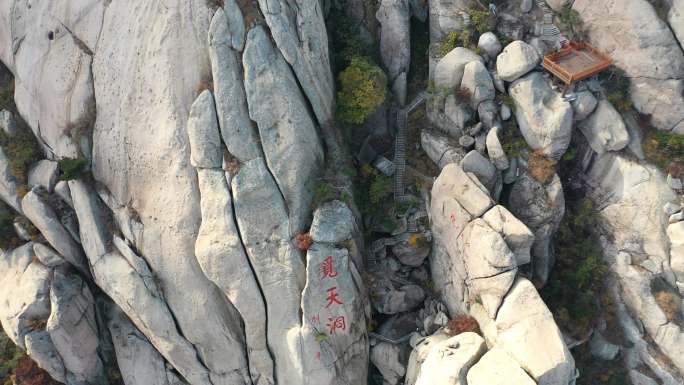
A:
327, 268
333, 297
337, 323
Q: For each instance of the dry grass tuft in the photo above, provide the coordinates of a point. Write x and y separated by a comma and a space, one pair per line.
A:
541, 168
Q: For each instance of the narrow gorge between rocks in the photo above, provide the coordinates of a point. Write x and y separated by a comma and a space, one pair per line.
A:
341, 192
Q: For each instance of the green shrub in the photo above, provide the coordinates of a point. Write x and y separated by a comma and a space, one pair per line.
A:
72, 168
380, 188
7, 234
345, 40
483, 21
362, 90
572, 23
617, 86
511, 139
450, 42
576, 281
506, 100
9, 357
664, 149
323, 192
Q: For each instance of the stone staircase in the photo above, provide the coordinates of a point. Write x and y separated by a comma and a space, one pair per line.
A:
400, 146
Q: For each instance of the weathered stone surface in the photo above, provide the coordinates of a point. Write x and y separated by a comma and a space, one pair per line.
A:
149, 61
517, 59
53, 81
496, 367
544, 118
25, 294
412, 249
40, 348
298, 30
525, 327
480, 166
333, 222
8, 184
643, 46
517, 236
224, 261
604, 129
46, 220
206, 150
419, 354
389, 360
138, 361
449, 71
47, 256
490, 44
446, 16
448, 361
584, 105
7, 123
495, 149
226, 40
44, 174
73, 328
477, 81
393, 300
278, 265
455, 183
334, 334
541, 208
288, 134
395, 40
440, 148
491, 270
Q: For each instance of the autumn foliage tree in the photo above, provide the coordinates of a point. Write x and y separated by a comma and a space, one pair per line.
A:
362, 90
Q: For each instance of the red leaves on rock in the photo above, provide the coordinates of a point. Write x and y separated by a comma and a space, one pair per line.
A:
303, 241
462, 324
28, 373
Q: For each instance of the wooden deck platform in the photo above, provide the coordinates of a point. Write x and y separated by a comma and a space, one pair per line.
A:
576, 61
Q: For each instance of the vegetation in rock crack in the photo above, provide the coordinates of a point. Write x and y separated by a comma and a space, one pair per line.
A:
303, 241
506, 100
663, 149
363, 86
617, 85
345, 40
21, 149
576, 282
10, 355
72, 168
668, 299
483, 21
463, 96
323, 192
571, 23
511, 139
8, 237
541, 168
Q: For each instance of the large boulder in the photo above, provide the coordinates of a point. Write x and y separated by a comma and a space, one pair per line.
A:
496, 367
440, 149
517, 59
490, 44
44, 174
448, 72
643, 45
544, 118
390, 361
446, 16
288, 133
448, 361
518, 237
541, 208
395, 41
524, 328
454, 182
605, 129
479, 84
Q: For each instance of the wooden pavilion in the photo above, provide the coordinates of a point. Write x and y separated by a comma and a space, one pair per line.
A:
576, 61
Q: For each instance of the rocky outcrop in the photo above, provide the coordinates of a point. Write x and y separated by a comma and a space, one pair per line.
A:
637, 248
544, 118
218, 247
448, 72
448, 361
288, 134
50, 312
298, 29
138, 361
541, 207
446, 16
479, 84
395, 43
496, 367
604, 129
641, 43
